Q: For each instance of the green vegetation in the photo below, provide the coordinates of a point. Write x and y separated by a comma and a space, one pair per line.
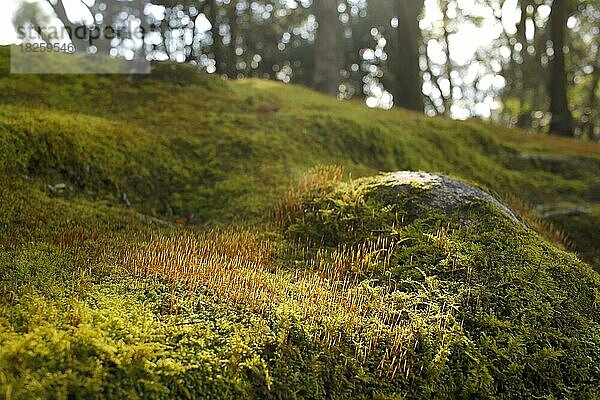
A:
327, 290
500, 288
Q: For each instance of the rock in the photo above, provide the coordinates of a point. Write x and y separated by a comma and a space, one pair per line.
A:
442, 193
348, 212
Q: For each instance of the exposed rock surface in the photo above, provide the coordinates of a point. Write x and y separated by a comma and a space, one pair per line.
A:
443, 193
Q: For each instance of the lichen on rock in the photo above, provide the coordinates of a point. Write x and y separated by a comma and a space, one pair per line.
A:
442, 192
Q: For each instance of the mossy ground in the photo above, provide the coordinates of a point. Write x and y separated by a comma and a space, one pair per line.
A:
492, 310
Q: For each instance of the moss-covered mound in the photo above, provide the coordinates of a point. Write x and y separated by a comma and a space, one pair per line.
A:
179, 142
518, 318
151, 247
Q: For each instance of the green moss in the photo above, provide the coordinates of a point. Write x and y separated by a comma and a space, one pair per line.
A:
582, 228
528, 311
187, 141
483, 310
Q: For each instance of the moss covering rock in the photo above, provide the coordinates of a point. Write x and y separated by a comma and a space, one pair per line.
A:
440, 192
527, 312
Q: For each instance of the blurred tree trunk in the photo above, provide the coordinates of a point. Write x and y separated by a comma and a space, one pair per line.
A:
217, 45
404, 59
525, 103
562, 120
593, 101
164, 28
74, 30
449, 67
328, 52
230, 53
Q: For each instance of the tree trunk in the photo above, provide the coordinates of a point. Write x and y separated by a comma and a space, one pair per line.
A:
74, 30
562, 120
593, 100
328, 47
404, 62
164, 28
524, 117
449, 66
230, 54
217, 45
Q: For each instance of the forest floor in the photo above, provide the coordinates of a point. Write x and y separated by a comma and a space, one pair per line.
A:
157, 241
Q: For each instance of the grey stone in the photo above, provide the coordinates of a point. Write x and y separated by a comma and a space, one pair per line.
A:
442, 192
